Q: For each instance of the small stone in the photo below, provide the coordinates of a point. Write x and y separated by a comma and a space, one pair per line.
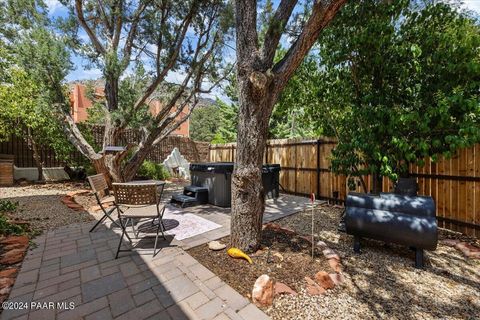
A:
324, 280
263, 291
468, 250
283, 288
216, 245
321, 245
330, 254
337, 278
278, 255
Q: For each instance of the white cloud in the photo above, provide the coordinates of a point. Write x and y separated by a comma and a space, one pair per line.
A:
473, 5
53, 5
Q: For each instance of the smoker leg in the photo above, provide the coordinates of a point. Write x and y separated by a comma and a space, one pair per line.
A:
356, 244
419, 258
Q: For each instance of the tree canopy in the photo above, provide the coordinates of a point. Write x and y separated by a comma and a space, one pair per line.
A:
394, 82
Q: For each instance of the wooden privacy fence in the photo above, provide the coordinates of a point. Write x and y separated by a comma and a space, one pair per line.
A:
453, 183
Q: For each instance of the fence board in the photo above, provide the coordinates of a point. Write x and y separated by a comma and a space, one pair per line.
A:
453, 183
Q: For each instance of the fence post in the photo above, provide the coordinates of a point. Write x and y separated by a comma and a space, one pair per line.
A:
318, 168
266, 153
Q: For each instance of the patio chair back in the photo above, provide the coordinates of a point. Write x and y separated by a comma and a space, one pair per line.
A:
99, 184
136, 195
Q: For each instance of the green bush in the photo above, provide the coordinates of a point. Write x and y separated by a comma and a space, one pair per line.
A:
153, 170
7, 228
8, 206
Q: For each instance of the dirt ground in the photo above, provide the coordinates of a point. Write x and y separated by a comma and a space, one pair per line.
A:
286, 259
380, 283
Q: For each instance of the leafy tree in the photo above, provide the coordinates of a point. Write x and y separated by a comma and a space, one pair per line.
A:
185, 38
204, 123
398, 82
25, 96
260, 81
227, 129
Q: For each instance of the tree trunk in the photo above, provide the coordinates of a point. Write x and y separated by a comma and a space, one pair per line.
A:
248, 199
36, 155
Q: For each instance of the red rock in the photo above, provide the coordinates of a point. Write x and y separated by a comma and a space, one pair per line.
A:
315, 290
6, 282
449, 242
283, 288
468, 250
335, 264
12, 256
15, 240
15, 246
8, 273
276, 227
324, 280
263, 291
337, 278
306, 238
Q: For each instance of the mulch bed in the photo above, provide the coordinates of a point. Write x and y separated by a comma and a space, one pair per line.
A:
285, 258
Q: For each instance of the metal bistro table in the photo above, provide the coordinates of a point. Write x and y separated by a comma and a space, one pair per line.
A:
137, 197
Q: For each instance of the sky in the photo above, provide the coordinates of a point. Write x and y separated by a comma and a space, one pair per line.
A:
81, 73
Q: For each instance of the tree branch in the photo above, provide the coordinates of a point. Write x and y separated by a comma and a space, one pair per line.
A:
275, 29
322, 13
91, 34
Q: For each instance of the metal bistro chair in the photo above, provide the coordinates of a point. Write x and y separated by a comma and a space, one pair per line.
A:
99, 186
139, 201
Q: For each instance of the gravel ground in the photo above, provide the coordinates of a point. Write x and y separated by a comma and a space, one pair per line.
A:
41, 205
382, 283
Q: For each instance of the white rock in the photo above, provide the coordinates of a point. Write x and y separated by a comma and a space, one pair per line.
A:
216, 245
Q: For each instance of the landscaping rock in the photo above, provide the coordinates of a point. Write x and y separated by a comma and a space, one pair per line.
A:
306, 238
23, 240
449, 242
335, 265
468, 250
337, 278
263, 291
283, 288
321, 245
278, 228
330, 254
12, 256
324, 280
8, 273
313, 288
216, 245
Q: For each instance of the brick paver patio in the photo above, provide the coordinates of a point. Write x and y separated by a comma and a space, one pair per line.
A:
77, 269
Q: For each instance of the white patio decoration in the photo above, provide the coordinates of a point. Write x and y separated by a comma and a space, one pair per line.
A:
177, 165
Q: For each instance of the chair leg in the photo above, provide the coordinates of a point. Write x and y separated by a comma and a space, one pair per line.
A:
159, 228
120, 242
98, 222
133, 228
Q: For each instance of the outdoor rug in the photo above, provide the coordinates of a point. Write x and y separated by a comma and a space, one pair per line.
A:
184, 225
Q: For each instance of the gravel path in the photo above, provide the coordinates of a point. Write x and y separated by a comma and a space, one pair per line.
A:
41, 205
382, 283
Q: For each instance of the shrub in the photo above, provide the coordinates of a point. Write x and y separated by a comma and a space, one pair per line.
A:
7, 228
152, 170
8, 206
